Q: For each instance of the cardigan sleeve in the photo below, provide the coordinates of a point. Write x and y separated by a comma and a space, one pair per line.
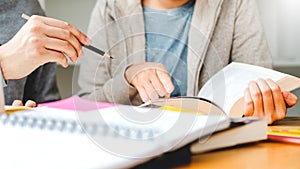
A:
249, 41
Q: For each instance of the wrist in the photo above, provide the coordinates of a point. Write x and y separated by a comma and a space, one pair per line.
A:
2, 79
3, 65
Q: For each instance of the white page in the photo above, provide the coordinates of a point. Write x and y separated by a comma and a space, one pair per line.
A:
175, 129
32, 147
228, 85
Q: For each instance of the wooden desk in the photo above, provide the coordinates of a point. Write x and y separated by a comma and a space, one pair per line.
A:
261, 155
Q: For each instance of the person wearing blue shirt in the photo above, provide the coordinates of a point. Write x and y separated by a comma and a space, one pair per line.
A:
169, 46
165, 48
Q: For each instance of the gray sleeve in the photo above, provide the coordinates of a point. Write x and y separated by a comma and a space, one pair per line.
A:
10, 16
3, 82
41, 84
249, 42
102, 79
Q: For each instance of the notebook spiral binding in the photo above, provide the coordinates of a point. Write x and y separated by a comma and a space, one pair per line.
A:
73, 126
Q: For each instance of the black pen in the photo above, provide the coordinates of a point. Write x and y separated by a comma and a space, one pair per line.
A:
90, 47
96, 50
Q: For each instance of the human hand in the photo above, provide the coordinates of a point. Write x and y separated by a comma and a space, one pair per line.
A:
265, 98
39, 41
29, 103
150, 79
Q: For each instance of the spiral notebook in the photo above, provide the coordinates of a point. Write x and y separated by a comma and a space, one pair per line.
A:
114, 137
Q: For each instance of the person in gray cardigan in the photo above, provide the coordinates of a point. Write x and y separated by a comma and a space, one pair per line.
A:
31, 46
145, 36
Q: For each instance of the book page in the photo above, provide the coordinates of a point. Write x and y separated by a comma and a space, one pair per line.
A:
172, 129
107, 138
228, 85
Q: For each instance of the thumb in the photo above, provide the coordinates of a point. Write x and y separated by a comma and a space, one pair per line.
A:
289, 98
17, 103
30, 104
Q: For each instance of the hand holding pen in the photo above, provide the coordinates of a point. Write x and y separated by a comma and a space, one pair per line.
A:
39, 41
77, 38
56, 38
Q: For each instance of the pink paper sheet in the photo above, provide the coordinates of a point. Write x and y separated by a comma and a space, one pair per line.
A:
75, 103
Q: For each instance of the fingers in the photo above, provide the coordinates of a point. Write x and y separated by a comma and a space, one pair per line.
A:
66, 36
150, 79
159, 87
17, 103
256, 96
166, 80
267, 98
264, 98
64, 25
151, 92
248, 103
39, 41
62, 46
31, 104
149, 87
55, 56
280, 107
60, 36
143, 94
289, 98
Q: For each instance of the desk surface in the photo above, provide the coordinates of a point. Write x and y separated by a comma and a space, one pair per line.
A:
259, 155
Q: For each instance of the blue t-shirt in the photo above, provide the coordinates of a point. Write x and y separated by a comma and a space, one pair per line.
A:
166, 41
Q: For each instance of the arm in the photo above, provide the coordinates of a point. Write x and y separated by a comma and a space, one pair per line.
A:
100, 79
249, 42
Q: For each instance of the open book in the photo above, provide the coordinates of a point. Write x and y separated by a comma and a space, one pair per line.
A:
224, 91
222, 94
226, 88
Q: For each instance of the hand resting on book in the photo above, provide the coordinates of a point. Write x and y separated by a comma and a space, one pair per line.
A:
152, 80
265, 98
